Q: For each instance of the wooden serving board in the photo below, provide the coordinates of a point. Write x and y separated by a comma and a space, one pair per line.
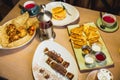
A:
79, 57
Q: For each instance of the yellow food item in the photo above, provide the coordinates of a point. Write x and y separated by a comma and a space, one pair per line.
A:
89, 29
58, 13
93, 35
77, 30
77, 36
83, 35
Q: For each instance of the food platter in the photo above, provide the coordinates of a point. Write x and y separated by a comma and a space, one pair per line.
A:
79, 53
39, 61
69, 18
16, 23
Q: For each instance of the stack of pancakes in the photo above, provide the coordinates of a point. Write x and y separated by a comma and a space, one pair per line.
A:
59, 13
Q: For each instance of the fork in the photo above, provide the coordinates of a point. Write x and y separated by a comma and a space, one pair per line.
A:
65, 9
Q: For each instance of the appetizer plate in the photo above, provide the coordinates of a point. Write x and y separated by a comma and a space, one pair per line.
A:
79, 57
107, 29
22, 42
39, 61
69, 18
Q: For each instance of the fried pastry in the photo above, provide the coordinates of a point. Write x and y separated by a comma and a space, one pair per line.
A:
15, 32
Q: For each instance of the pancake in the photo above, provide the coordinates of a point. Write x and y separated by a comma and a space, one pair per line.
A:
59, 13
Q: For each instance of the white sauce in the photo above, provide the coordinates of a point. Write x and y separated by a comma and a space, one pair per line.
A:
96, 47
89, 59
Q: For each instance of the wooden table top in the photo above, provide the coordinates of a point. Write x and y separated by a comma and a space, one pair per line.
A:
16, 64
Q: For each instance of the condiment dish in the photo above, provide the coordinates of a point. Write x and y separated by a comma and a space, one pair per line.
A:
108, 20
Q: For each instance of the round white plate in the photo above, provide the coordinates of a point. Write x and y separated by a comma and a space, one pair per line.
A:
39, 61
69, 18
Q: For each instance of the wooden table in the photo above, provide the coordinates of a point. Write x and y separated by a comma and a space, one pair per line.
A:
16, 64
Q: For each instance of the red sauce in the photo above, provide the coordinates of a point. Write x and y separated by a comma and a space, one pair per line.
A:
29, 6
108, 19
100, 57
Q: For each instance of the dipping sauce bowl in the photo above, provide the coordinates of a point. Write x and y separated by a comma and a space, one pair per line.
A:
89, 60
32, 8
108, 20
100, 58
96, 47
86, 50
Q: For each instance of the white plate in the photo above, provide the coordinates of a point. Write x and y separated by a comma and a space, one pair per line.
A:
40, 58
28, 41
69, 19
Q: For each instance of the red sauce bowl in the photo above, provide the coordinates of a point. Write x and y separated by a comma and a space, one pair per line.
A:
29, 4
108, 19
100, 56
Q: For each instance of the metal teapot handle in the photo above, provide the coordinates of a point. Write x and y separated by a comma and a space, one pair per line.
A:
42, 7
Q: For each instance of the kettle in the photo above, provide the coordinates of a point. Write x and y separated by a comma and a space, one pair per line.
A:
45, 24
44, 15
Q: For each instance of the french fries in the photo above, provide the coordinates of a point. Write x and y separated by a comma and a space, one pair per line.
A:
84, 35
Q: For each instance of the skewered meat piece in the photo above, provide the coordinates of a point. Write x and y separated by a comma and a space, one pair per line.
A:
54, 56
69, 75
48, 61
59, 68
65, 64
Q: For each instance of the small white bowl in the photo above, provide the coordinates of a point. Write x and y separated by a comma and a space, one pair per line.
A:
96, 47
89, 60
108, 20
